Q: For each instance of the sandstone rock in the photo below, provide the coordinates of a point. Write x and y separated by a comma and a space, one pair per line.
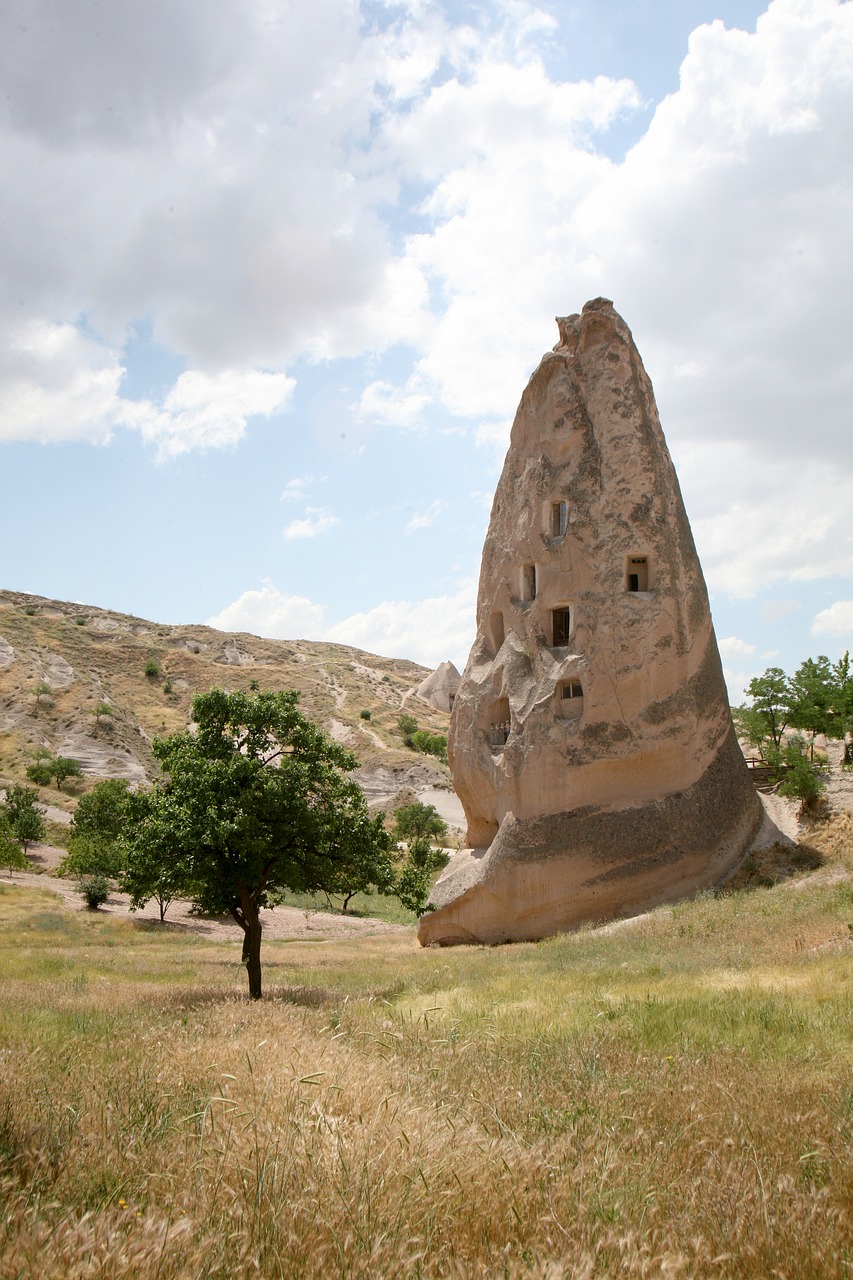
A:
440, 687
591, 742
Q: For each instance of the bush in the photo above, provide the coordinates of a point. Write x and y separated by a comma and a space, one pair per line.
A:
167, 687
80, 620
431, 744
95, 891
30, 610
407, 725
152, 668
803, 780
365, 715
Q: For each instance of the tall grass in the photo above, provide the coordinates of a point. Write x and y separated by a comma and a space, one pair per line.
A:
671, 1097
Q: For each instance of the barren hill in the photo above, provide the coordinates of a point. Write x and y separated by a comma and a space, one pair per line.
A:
59, 661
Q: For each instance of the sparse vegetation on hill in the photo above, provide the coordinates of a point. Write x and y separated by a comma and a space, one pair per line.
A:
83, 692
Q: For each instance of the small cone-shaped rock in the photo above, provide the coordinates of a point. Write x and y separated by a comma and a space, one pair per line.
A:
591, 741
440, 686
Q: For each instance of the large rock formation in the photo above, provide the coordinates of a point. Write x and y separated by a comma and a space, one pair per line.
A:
591, 741
439, 688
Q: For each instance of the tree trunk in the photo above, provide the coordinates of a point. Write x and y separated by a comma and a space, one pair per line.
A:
252, 931
252, 949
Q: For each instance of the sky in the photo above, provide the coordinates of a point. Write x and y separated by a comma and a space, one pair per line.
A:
276, 272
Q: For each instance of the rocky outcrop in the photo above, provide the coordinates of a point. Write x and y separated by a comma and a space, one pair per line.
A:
440, 687
591, 742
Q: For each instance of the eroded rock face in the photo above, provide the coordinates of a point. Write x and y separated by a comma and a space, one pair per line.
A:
591, 742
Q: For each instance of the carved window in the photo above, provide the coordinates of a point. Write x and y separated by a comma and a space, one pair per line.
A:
570, 694
528, 582
637, 573
498, 730
561, 625
559, 519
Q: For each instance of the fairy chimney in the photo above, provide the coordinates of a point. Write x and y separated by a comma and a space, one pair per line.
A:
591, 741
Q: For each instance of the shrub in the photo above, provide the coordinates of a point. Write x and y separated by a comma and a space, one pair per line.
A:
167, 687
80, 620
152, 668
365, 715
30, 610
407, 725
95, 891
431, 744
803, 780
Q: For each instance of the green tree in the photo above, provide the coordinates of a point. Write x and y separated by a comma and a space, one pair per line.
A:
152, 668
99, 820
431, 744
811, 694
841, 719
802, 781
418, 824
771, 702
42, 690
253, 805
24, 815
39, 770
63, 768
12, 855
419, 821
407, 725
102, 711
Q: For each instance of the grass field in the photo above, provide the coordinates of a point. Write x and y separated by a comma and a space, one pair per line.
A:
672, 1097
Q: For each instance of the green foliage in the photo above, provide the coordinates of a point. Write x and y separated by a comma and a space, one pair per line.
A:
95, 889
12, 855
24, 815
81, 620
255, 803
802, 780
418, 824
407, 725
63, 768
30, 610
102, 710
415, 877
152, 668
100, 818
364, 715
40, 773
431, 744
418, 821
167, 687
43, 692
771, 701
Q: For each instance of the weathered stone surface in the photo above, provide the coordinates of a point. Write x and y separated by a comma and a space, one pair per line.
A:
440, 687
591, 742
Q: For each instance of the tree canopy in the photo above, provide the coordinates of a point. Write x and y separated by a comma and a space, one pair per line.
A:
255, 802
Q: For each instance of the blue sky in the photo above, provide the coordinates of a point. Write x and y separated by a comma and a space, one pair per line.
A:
276, 274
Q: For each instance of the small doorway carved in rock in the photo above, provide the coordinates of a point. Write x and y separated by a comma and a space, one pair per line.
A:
499, 726
528, 582
561, 625
559, 519
637, 573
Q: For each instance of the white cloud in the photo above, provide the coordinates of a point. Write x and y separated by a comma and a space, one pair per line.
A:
209, 411
266, 611
316, 520
393, 406
56, 384
423, 519
732, 648
59, 383
426, 631
837, 620
295, 489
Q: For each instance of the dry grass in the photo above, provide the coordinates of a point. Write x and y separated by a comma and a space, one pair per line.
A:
672, 1098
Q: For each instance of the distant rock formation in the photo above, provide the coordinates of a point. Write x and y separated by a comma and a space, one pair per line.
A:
439, 689
591, 741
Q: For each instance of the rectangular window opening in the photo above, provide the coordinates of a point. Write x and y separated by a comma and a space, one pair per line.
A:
561, 622
559, 519
637, 573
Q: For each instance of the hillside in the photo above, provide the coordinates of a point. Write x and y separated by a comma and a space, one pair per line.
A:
59, 660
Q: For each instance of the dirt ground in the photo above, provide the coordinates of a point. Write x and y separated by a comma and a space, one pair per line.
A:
288, 923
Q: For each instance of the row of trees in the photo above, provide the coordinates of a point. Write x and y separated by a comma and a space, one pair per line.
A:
816, 700
21, 824
255, 802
